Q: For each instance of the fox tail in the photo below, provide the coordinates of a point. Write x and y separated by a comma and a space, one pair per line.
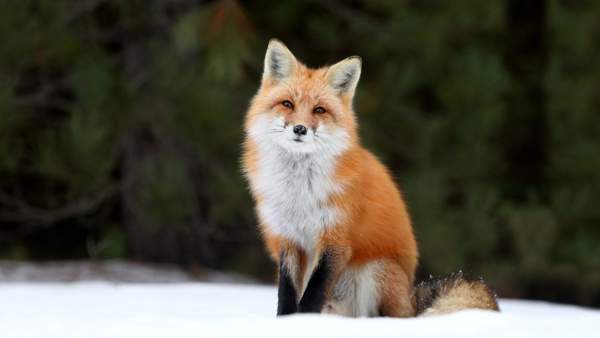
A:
452, 293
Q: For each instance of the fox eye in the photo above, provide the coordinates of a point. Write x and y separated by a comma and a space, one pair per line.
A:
319, 110
288, 104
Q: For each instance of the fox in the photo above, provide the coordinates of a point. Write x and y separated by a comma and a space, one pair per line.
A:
329, 212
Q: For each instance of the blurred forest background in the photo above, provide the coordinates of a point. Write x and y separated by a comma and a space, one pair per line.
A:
121, 123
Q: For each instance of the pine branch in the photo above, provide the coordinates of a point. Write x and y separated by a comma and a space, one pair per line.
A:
25, 213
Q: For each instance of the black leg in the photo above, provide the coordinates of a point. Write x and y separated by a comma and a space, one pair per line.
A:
286, 293
314, 295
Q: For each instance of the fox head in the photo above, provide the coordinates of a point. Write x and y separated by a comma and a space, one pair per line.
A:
304, 110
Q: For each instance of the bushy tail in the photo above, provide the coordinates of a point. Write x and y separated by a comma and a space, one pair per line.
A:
451, 294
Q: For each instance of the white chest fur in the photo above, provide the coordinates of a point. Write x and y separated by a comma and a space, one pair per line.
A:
295, 189
296, 181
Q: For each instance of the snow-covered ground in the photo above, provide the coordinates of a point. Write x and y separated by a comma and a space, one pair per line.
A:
199, 310
116, 271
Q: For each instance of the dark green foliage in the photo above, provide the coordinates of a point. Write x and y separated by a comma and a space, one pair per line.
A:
121, 123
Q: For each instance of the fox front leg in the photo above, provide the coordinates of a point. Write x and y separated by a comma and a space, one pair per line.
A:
286, 293
318, 285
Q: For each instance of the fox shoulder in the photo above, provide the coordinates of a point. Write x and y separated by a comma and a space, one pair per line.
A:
451, 294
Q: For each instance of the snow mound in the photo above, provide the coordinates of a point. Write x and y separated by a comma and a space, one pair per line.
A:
212, 310
116, 271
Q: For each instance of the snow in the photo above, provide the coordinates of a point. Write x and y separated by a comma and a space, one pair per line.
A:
107, 310
117, 271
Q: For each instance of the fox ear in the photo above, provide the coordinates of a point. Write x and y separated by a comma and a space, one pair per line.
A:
279, 61
344, 75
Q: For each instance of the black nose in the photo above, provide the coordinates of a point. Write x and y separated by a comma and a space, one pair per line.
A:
300, 130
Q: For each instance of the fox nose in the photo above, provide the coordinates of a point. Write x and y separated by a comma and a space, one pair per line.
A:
300, 130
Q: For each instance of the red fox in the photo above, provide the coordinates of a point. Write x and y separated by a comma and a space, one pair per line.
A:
329, 211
